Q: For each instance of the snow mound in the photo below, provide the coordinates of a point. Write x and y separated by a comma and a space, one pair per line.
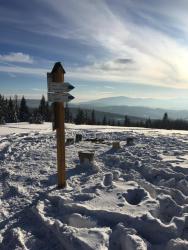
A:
123, 238
177, 244
77, 220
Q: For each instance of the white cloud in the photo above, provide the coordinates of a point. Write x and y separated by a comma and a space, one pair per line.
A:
37, 89
18, 57
108, 87
157, 57
23, 70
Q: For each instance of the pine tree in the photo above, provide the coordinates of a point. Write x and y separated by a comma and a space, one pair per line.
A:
2, 113
42, 108
126, 121
86, 118
10, 111
48, 113
93, 119
148, 123
104, 122
80, 119
16, 108
23, 111
5, 109
35, 117
68, 114
165, 121
165, 117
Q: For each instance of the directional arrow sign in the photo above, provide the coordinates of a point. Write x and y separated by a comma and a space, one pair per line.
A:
60, 97
59, 87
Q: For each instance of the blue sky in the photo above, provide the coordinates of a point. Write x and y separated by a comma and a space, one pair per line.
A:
135, 48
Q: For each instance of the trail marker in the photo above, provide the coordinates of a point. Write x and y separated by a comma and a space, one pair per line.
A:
60, 97
59, 87
58, 94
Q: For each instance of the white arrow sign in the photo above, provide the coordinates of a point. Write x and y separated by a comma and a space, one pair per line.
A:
60, 97
59, 87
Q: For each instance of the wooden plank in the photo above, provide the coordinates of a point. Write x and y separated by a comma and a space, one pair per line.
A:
60, 134
59, 87
60, 97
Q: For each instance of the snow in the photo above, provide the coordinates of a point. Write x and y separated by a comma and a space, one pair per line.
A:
24, 127
134, 197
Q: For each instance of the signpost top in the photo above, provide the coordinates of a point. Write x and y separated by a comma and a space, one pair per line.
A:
58, 67
57, 88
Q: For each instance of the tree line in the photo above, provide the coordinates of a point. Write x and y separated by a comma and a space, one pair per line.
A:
13, 110
165, 122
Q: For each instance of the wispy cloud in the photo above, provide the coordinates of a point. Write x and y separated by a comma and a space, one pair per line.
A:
156, 57
108, 87
23, 70
18, 57
142, 41
37, 89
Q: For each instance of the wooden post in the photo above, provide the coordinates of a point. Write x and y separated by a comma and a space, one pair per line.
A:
59, 111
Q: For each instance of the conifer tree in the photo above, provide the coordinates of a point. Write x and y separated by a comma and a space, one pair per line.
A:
16, 108
148, 123
165, 121
23, 111
86, 117
126, 121
48, 113
93, 119
2, 110
67, 113
42, 108
10, 111
104, 122
80, 119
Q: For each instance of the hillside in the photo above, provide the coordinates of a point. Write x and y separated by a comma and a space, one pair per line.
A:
111, 105
171, 104
143, 112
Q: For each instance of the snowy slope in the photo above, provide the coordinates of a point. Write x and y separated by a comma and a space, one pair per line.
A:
132, 198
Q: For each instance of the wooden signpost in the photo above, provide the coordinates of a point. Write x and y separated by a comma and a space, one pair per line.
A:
58, 94
59, 97
58, 87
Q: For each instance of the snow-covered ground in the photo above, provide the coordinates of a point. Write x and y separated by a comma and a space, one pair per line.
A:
135, 197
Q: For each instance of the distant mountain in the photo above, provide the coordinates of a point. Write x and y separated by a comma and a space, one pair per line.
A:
99, 114
144, 112
117, 107
138, 107
174, 104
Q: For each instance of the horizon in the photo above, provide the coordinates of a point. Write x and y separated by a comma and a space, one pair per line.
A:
107, 48
151, 103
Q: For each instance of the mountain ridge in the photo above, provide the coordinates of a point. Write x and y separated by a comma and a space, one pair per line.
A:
173, 103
